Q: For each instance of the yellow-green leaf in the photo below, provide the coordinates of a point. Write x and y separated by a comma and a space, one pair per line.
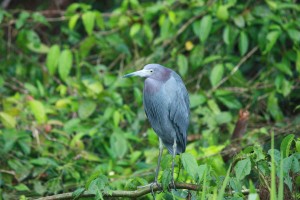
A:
52, 58
88, 20
65, 64
38, 110
7, 120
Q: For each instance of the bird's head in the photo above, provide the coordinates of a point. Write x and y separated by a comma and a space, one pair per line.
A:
154, 71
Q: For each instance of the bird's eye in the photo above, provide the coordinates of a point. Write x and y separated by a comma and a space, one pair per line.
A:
151, 70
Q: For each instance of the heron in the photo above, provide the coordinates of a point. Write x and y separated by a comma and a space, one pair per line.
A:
166, 104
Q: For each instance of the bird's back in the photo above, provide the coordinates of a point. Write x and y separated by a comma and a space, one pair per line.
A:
166, 105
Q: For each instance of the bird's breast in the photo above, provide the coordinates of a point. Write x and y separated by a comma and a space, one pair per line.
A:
152, 86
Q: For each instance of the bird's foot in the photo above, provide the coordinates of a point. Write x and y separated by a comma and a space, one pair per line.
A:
172, 185
152, 187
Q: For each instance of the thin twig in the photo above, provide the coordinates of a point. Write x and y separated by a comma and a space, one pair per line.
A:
244, 59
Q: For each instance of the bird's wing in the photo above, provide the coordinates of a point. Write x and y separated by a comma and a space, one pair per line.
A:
179, 112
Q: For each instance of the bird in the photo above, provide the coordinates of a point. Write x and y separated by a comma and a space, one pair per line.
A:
167, 107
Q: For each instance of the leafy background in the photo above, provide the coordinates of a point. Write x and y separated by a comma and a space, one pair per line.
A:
68, 120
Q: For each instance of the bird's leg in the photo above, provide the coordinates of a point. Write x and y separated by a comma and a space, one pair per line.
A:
173, 163
159, 159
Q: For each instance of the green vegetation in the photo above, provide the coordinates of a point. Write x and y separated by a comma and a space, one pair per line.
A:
69, 122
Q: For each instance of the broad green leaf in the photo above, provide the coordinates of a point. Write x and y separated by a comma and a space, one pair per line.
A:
7, 120
148, 31
76, 194
65, 64
40, 48
294, 35
24, 15
44, 161
298, 61
205, 27
223, 117
38, 110
172, 17
73, 20
244, 43
21, 187
182, 64
166, 178
52, 59
118, 145
222, 12
242, 168
196, 27
135, 28
274, 108
271, 40
216, 74
197, 99
189, 164
116, 118
286, 145
88, 20
283, 86
298, 145
283, 67
239, 21
90, 156
86, 109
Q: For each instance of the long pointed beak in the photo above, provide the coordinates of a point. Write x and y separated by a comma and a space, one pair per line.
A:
141, 73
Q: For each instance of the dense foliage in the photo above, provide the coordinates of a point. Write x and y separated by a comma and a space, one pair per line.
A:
68, 120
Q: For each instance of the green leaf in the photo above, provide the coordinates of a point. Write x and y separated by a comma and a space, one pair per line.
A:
283, 86
52, 59
166, 178
274, 108
242, 168
118, 145
189, 164
77, 193
197, 99
135, 28
65, 64
216, 74
222, 12
88, 20
40, 48
7, 120
182, 64
243, 44
283, 67
86, 109
205, 27
90, 156
298, 61
38, 110
271, 40
239, 21
22, 19
294, 35
148, 31
21, 187
73, 20
223, 117
298, 145
286, 145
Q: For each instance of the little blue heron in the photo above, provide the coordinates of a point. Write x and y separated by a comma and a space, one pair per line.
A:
166, 104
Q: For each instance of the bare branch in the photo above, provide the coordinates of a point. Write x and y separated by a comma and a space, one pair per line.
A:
123, 193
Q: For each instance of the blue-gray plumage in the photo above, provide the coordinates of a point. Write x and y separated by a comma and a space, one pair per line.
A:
166, 103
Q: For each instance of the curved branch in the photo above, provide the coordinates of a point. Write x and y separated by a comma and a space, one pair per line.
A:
123, 193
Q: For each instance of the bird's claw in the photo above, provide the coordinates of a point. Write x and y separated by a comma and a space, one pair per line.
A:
172, 185
152, 186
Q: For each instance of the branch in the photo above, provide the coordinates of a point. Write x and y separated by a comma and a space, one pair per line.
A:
123, 193
244, 59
